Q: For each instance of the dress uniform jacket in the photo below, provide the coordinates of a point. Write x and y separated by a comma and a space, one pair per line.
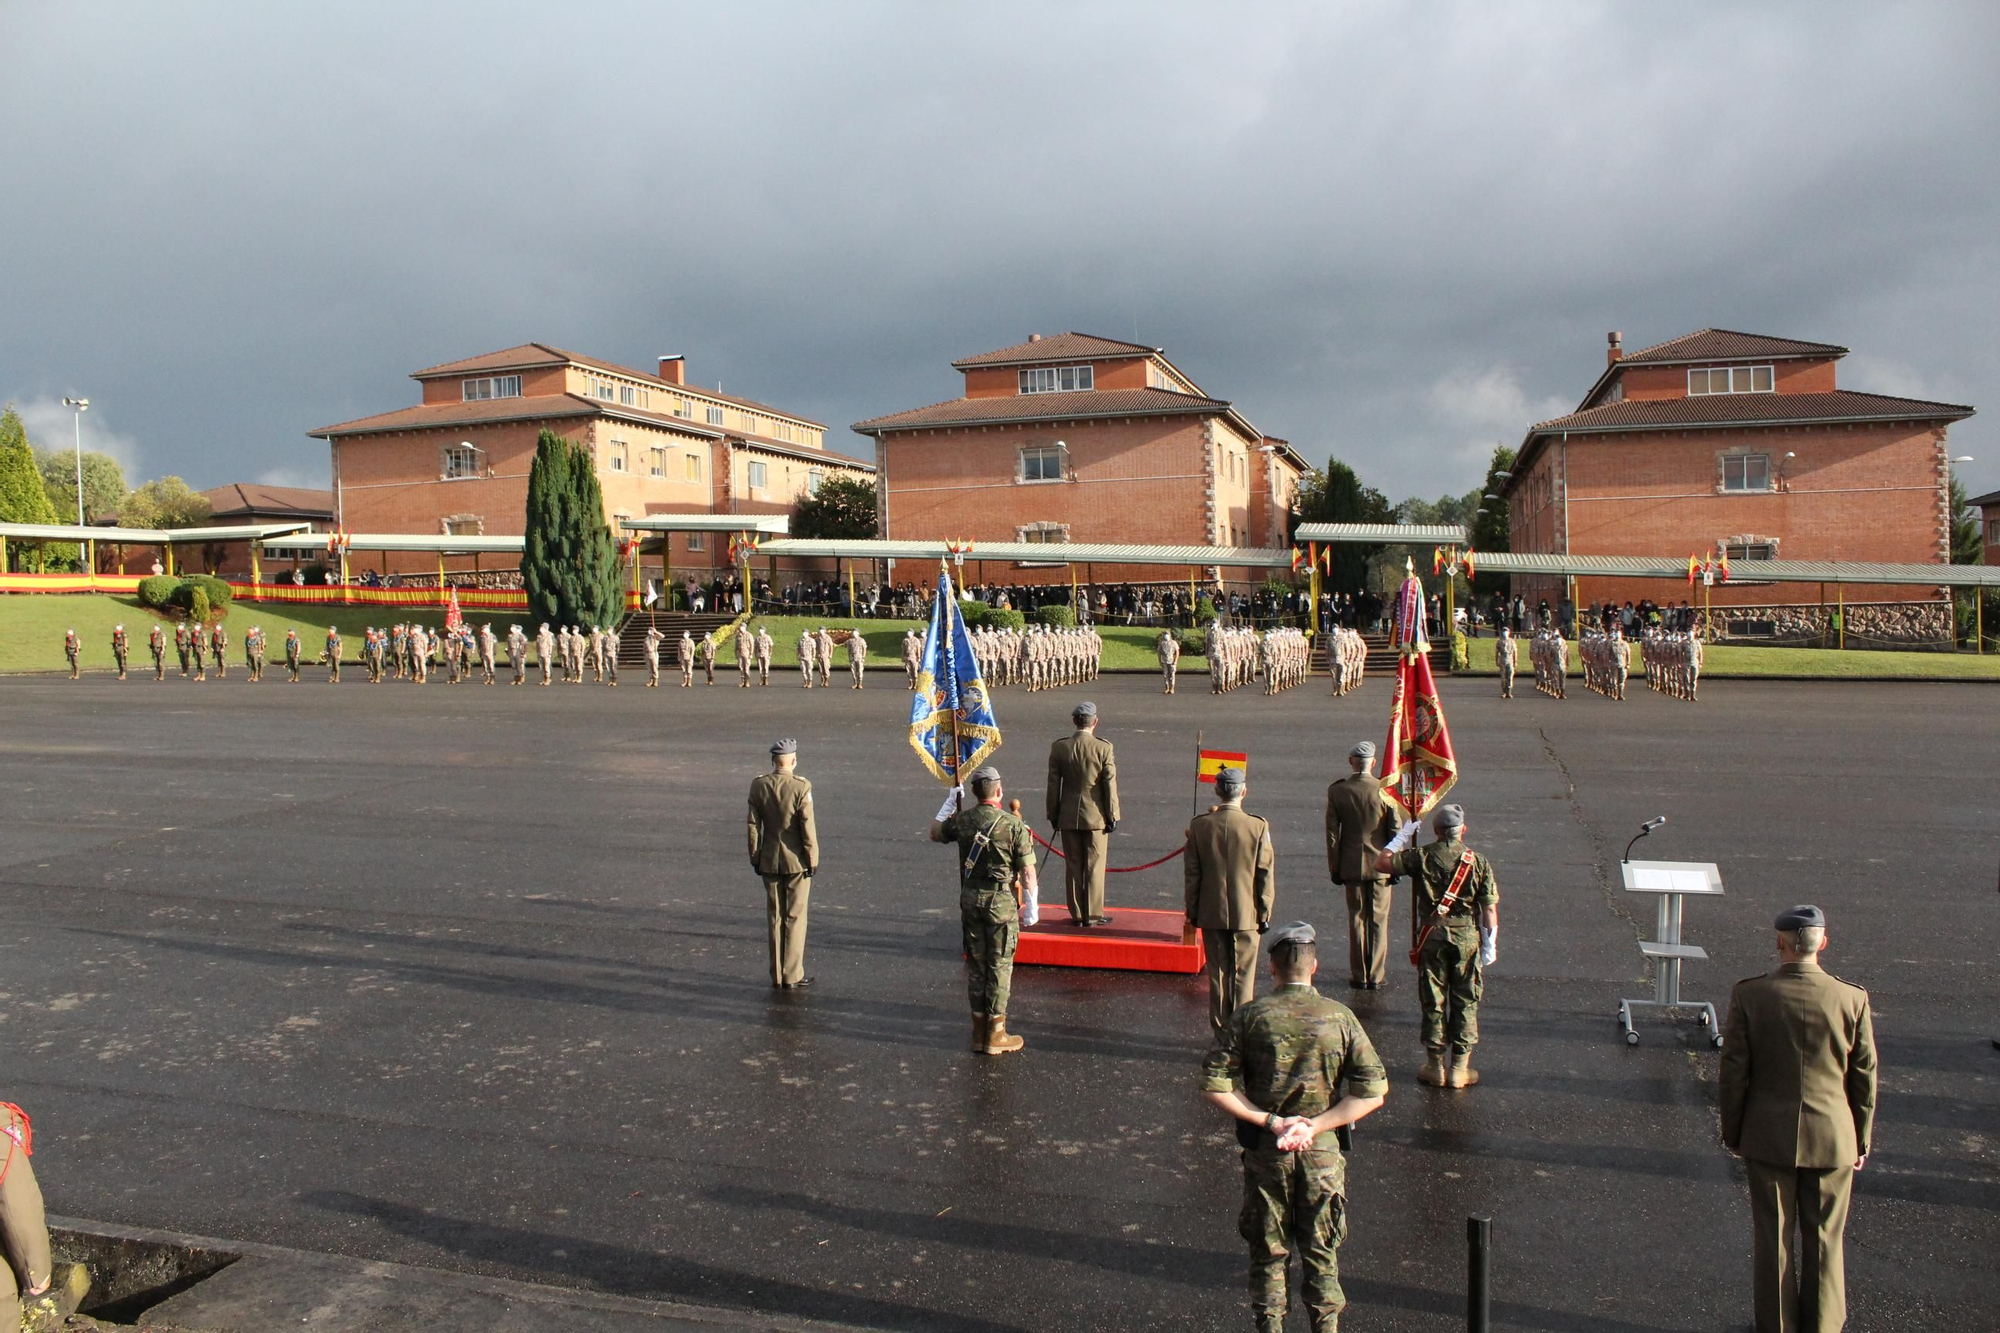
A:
783, 837
1798, 1069
1083, 783
1356, 819
1230, 870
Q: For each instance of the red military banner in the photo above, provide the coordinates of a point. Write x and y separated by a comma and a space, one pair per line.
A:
1418, 766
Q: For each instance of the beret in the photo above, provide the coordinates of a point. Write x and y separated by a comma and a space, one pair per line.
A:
785, 746
1449, 816
1228, 777
1362, 750
985, 774
1084, 709
1797, 918
1293, 932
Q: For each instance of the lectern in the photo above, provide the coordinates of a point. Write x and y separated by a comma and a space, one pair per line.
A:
1673, 882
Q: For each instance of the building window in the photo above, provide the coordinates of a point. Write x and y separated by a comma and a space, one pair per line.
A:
496, 386
692, 467
461, 460
815, 478
760, 475
682, 410
1750, 550
628, 396
1041, 462
695, 540
1993, 532
463, 525
657, 462
1043, 533
1057, 379
1730, 379
614, 456
714, 415
1746, 472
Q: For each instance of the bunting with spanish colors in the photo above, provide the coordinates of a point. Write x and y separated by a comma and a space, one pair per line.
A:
1418, 766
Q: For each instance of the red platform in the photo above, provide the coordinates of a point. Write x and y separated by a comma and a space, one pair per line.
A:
1137, 940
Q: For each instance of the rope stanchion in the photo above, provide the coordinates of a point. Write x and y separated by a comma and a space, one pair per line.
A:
1109, 870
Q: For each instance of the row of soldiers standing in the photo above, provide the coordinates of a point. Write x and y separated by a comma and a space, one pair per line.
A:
1607, 662
1673, 662
1041, 657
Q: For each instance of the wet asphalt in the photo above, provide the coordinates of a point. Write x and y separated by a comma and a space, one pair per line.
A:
475, 978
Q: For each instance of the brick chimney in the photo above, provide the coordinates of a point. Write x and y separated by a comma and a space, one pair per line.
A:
1614, 348
673, 369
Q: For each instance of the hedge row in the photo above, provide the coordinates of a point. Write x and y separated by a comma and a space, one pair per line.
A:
199, 595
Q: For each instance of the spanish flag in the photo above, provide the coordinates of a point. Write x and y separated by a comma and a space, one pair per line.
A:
1298, 558
1694, 570
1722, 568
1213, 761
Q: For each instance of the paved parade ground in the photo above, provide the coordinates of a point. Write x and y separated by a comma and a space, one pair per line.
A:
474, 978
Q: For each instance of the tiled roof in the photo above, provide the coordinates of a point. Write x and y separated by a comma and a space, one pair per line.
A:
1057, 347
1045, 407
249, 497
542, 354
479, 413
1983, 500
1728, 345
827, 456
1751, 409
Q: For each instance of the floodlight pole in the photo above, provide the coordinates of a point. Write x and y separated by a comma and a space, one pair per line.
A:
79, 406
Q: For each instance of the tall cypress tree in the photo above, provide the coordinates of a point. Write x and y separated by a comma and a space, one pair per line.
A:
569, 564
22, 499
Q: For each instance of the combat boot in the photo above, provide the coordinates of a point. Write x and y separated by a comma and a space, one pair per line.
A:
1433, 1070
1462, 1074
998, 1040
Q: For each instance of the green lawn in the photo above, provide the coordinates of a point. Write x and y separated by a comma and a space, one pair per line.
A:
1797, 663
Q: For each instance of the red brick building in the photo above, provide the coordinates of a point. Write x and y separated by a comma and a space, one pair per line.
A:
457, 463
1989, 524
1740, 444
1075, 438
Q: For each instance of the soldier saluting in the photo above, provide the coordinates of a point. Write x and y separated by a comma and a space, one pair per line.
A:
1457, 906
995, 852
1278, 1067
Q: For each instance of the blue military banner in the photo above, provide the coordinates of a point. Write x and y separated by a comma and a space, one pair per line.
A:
952, 727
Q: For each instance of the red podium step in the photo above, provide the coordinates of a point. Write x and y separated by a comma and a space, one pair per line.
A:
1137, 940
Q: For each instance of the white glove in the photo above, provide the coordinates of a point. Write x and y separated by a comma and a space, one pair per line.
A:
1031, 905
954, 801
1489, 945
1404, 837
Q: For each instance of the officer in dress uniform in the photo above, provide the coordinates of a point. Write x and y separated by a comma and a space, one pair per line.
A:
1230, 873
1293, 1069
995, 853
1798, 1106
784, 851
1358, 825
1082, 806
25, 1262
1456, 902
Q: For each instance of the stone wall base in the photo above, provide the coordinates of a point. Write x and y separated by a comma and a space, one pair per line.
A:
1900, 625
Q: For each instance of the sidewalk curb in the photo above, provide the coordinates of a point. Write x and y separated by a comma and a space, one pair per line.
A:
268, 1286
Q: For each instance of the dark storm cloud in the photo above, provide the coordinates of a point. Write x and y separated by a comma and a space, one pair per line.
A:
1392, 233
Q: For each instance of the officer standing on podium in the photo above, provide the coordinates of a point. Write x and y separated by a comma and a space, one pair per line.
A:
1082, 805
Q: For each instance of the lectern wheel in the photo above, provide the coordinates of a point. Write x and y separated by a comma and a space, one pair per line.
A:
1631, 1039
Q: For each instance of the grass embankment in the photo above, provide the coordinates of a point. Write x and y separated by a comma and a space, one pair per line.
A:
1795, 663
32, 625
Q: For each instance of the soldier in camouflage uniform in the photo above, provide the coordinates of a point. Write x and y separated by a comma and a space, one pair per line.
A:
1277, 1067
995, 853
1459, 939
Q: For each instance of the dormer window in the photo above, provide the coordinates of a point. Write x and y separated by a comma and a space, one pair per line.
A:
494, 386
1730, 379
1057, 379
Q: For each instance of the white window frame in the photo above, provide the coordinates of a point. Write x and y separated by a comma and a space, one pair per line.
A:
1042, 534
1741, 464
691, 468
696, 542
1055, 379
615, 457
714, 414
1744, 550
481, 389
628, 396
815, 478
1703, 386
656, 462
475, 522
1042, 454
460, 463
757, 475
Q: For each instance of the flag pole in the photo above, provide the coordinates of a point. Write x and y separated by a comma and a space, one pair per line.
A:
1199, 733
948, 655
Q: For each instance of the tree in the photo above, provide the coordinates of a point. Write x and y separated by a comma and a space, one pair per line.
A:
22, 499
844, 507
1967, 548
103, 484
1337, 496
167, 502
1490, 531
569, 566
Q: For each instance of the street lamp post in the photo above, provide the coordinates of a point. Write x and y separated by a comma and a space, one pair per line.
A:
79, 406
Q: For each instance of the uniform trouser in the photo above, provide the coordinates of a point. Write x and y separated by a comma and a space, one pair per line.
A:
1230, 959
1449, 985
121, 662
159, 673
1295, 1200
763, 671
990, 922
785, 901
1800, 1216
857, 670
1169, 671
1506, 681
652, 668
805, 673
1083, 872
1368, 904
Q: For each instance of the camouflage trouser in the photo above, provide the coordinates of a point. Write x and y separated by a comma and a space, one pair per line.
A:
1449, 985
1294, 1200
991, 922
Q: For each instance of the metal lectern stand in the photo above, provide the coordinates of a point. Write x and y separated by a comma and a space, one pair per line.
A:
1673, 881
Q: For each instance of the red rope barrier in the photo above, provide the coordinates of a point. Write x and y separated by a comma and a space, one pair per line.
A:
1109, 870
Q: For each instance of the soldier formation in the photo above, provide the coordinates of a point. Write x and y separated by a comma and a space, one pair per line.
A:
1607, 662
1346, 658
1040, 657
1284, 658
1549, 653
1673, 662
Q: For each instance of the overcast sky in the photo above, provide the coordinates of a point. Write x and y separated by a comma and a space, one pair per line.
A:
1391, 233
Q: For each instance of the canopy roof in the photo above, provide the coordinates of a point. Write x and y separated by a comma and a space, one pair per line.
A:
69, 532
1382, 533
1741, 571
402, 541
1042, 553
771, 523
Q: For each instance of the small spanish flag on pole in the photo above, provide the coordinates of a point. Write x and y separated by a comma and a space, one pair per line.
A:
1298, 558
1211, 762
1694, 569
